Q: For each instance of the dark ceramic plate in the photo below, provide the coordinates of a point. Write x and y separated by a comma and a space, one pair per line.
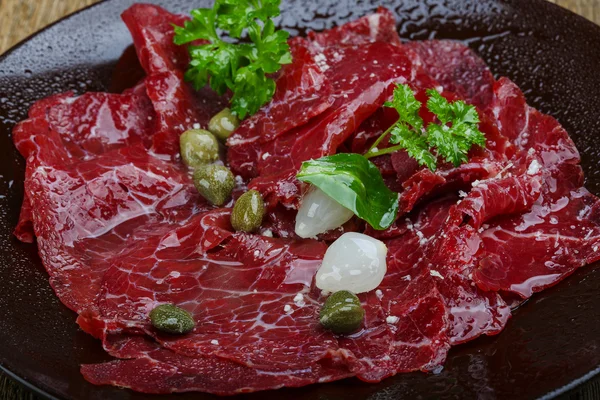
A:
551, 344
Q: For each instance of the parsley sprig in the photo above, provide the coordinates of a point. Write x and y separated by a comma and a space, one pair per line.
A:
451, 140
356, 183
242, 67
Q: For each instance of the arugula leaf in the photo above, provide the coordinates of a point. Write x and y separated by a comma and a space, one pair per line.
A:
453, 141
242, 68
356, 183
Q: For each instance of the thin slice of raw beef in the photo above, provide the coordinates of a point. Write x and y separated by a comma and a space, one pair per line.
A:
360, 88
178, 107
471, 312
302, 92
63, 129
148, 368
87, 212
268, 309
457, 68
377, 27
533, 223
249, 157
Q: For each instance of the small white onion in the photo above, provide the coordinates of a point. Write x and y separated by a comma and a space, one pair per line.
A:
354, 262
319, 213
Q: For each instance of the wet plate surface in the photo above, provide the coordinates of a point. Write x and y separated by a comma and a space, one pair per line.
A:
552, 342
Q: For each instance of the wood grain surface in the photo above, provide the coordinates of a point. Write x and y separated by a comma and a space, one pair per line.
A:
21, 18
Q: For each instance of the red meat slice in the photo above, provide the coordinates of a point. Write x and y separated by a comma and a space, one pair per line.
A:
549, 225
152, 369
502, 196
83, 127
249, 319
178, 106
86, 213
356, 99
462, 75
360, 88
529, 252
302, 93
377, 27
457, 68
444, 258
100, 122
248, 157
472, 311
152, 33
63, 129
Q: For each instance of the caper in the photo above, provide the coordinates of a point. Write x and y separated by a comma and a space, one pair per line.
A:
342, 312
223, 124
198, 147
172, 319
214, 182
248, 212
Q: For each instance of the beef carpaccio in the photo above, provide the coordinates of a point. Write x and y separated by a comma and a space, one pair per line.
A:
121, 228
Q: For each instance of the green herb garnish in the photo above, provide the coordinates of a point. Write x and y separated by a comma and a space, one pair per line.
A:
451, 139
356, 183
458, 131
243, 68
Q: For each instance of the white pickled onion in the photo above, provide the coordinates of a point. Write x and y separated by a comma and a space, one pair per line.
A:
354, 262
319, 213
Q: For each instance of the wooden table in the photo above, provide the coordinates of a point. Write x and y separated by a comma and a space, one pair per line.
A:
21, 18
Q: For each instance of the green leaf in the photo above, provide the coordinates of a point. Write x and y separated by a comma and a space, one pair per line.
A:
201, 26
356, 183
446, 146
243, 68
235, 15
438, 105
251, 91
415, 145
459, 130
407, 106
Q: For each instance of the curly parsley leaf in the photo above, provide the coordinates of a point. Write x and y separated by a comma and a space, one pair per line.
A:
458, 132
236, 15
242, 68
356, 183
451, 140
415, 145
407, 106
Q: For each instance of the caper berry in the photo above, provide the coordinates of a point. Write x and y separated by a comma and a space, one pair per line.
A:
214, 182
198, 147
248, 212
172, 319
342, 312
223, 124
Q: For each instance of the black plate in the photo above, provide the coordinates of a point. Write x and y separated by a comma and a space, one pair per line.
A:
551, 344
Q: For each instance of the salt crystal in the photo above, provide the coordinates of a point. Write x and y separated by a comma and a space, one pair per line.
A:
436, 274
534, 167
299, 300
